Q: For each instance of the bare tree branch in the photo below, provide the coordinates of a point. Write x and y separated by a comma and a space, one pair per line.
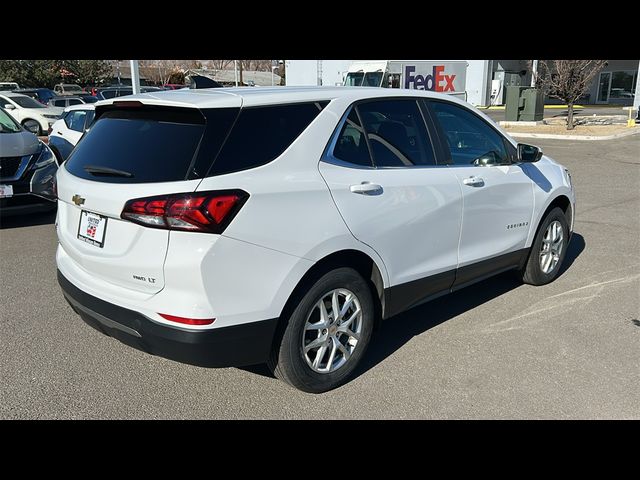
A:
567, 80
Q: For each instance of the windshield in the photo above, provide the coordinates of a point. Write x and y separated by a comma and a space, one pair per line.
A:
354, 79
7, 124
363, 79
72, 88
372, 79
26, 102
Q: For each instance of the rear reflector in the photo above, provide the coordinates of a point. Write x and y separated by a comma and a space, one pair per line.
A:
208, 212
187, 321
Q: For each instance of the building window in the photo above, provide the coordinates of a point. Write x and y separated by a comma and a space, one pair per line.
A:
623, 85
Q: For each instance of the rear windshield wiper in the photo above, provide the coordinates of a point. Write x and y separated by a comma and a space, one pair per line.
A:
97, 170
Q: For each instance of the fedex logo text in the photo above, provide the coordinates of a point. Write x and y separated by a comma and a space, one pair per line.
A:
437, 81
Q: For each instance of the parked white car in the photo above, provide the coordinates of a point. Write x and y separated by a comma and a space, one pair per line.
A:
66, 132
281, 225
31, 114
67, 89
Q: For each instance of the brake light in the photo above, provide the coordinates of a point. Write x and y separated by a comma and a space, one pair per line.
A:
208, 212
187, 321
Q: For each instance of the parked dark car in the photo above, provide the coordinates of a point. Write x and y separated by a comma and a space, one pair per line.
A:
27, 170
112, 92
43, 95
87, 97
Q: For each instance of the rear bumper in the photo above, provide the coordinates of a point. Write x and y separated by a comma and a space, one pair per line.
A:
25, 204
238, 345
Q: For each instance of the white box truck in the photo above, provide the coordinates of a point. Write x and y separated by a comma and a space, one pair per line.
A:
446, 76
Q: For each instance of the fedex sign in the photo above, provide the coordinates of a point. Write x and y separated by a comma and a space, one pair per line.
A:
437, 80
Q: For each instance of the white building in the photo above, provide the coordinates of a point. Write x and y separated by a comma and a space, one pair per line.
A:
615, 84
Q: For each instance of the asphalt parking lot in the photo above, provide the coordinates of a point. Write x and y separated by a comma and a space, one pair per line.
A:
498, 349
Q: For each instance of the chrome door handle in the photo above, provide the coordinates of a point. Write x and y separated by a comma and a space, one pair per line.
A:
474, 181
366, 188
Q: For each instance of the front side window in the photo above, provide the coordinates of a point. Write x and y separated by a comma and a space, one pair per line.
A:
59, 103
74, 101
470, 139
397, 133
351, 145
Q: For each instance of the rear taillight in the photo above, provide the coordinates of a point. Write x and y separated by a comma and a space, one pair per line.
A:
208, 212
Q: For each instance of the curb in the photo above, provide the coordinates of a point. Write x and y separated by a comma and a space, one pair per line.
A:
574, 137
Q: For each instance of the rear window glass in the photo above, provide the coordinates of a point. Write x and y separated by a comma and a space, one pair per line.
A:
261, 134
152, 146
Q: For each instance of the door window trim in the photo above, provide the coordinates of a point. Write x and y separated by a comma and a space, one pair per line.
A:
442, 136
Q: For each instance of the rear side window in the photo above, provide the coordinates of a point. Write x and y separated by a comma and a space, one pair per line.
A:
351, 146
397, 133
261, 134
155, 145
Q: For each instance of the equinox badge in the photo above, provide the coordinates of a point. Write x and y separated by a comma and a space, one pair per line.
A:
77, 199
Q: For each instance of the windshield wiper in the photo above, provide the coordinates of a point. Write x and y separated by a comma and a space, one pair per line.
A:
97, 170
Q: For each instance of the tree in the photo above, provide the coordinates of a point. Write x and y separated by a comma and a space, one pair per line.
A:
85, 72
219, 64
31, 73
46, 73
567, 80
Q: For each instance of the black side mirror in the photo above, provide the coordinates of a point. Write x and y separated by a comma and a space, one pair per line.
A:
528, 153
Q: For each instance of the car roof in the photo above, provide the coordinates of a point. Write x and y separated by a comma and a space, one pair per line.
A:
248, 96
36, 89
81, 106
10, 93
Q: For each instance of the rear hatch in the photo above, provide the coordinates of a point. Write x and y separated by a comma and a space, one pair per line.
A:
132, 151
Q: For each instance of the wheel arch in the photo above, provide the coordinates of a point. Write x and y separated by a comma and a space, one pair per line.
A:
356, 259
26, 119
56, 152
561, 201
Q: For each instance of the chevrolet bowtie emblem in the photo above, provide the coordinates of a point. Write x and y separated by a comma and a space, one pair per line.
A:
77, 199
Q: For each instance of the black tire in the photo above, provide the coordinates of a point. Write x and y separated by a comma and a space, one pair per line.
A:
287, 361
532, 272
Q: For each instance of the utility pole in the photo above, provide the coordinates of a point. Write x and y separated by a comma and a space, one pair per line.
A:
135, 77
636, 98
240, 72
534, 72
235, 71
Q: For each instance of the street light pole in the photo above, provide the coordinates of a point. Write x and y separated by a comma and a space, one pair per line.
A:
235, 70
135, 77
636, 97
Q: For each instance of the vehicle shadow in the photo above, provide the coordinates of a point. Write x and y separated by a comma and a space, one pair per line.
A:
27, 220
395, 332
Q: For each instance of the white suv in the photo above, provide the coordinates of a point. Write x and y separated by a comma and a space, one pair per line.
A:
238, 226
